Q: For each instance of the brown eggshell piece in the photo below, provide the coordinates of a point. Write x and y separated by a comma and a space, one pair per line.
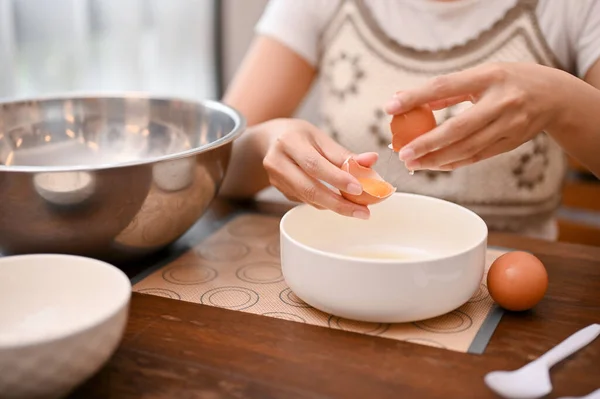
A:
408, 126
375, 189
517, 281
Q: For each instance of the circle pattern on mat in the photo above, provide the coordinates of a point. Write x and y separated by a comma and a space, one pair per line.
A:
189, 274
480, 295
287, 296
357, 326
260, 273
273, 248
453, 322
229, 251
252, 229
285, 316
160, 292
425, 341
235, 298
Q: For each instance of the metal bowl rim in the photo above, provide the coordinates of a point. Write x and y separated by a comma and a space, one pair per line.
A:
236, 116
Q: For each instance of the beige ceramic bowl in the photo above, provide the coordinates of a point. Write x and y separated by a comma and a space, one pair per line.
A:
61, 319
417, 257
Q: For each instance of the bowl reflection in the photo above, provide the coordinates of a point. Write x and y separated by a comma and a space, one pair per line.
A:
64, 188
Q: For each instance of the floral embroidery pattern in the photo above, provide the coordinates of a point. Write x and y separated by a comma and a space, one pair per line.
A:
328, 127
384, 138
343, 75
531, 168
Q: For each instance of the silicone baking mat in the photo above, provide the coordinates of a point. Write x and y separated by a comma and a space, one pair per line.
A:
238, 268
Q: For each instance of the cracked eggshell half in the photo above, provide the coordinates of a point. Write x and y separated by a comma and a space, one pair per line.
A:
375, 189
408, 126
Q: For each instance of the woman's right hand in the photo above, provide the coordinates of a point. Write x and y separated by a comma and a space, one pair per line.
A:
300, 157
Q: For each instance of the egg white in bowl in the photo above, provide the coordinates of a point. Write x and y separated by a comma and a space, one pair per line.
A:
417, 257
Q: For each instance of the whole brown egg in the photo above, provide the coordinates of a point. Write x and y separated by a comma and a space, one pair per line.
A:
517, 281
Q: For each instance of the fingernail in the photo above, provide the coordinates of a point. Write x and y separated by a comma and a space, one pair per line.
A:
354, 189
406, 154
361, 215
413, 165
393, 106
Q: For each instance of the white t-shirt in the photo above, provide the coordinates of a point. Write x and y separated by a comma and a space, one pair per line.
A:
571, 27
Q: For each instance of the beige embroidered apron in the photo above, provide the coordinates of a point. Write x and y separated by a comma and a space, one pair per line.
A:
361, 68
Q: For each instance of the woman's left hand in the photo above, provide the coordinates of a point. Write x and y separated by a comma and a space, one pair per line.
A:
513, 102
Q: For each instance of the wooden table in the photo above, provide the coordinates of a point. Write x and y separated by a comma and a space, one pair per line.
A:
174, 349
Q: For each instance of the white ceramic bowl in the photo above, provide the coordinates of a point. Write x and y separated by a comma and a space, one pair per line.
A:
417, 257
61, 319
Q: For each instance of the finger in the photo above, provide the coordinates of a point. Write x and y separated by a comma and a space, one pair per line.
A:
314, 164
501, 146
337, 155
330, 149
394, 107
292, 197
453, 130
284, 188
457, 84
367, 159
462, 149
312, 192
448, 102
278, 165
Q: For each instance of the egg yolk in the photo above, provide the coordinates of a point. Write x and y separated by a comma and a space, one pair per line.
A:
374, 187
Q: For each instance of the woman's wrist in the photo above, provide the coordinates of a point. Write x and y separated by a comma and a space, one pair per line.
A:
575, 106
257, 139
246, 175
566, 103
574, 125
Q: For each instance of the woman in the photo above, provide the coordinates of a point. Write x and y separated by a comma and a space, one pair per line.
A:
514, 85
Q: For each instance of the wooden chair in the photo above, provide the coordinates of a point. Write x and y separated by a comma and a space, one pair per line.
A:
579, 216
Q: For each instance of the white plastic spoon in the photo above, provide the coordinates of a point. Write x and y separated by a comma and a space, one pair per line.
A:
593, 395
533, 380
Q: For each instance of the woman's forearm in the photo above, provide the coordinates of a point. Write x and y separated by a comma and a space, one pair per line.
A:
262, 91
577, 126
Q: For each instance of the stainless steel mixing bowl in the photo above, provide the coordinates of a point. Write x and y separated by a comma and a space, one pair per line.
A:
110, 177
